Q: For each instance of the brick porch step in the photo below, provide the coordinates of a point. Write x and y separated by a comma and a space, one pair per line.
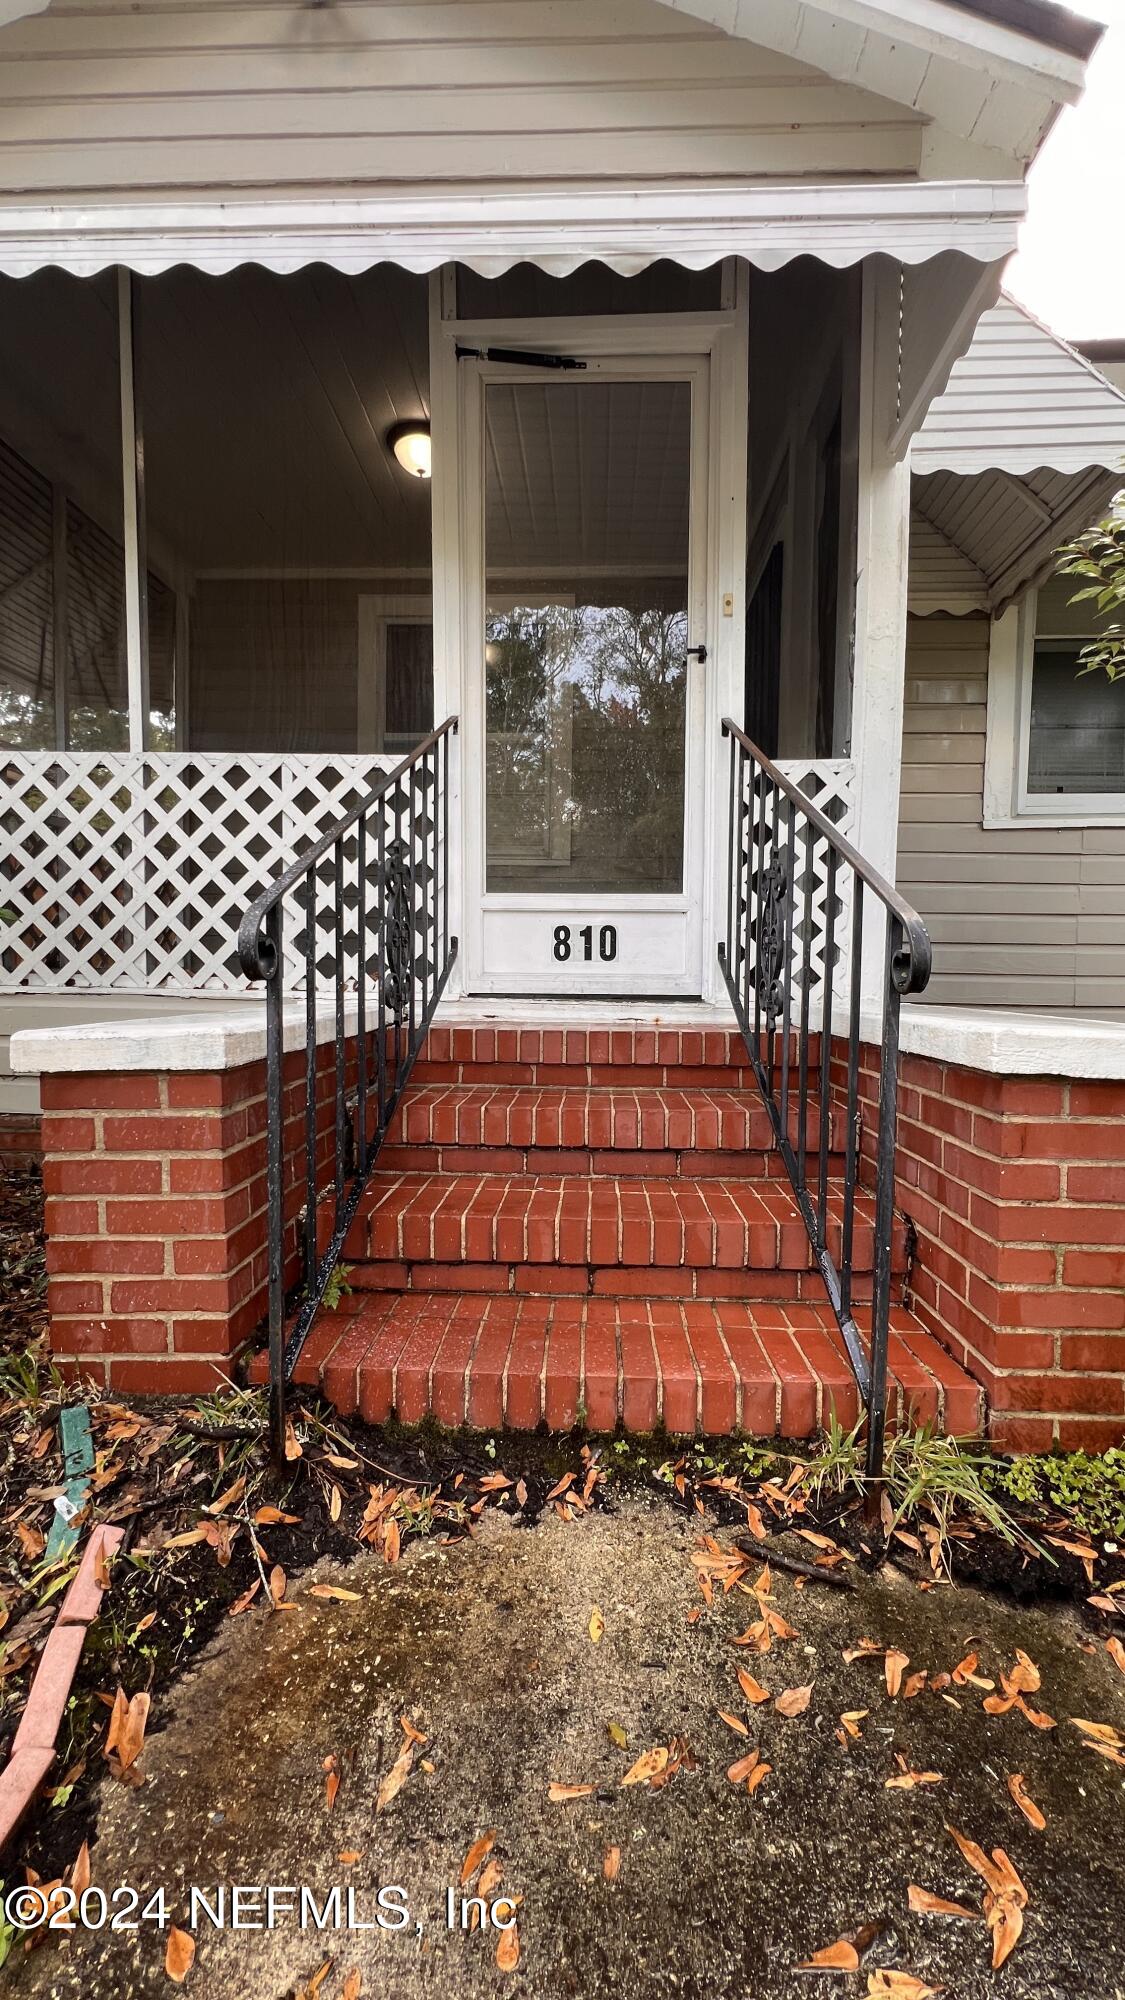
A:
596, 1056
711, 1369
663, 1130
558, 1233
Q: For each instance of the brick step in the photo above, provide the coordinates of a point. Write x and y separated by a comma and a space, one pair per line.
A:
711, 1369
575, 1230
636, 1056
697, 1132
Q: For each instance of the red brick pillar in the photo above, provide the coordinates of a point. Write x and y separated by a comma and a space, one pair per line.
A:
156, 1223
1016, 1189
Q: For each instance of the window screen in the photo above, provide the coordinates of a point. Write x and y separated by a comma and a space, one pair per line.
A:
1077, 741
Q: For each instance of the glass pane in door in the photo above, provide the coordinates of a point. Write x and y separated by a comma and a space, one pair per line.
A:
586, 622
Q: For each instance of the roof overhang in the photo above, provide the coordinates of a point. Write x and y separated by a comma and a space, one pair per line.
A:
490, 229
995, 72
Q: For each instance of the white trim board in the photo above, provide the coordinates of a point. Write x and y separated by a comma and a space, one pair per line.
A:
491, 229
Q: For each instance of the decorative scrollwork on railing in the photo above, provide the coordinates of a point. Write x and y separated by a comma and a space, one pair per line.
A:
771, 884
398, 978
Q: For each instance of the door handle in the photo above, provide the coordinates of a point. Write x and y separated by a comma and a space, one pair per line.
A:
696, 653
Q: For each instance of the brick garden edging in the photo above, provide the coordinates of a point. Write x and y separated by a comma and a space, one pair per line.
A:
33, 1747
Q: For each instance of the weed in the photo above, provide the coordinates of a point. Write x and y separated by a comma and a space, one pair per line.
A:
29, 1376
927, 1478
1091, 1490
337, 1287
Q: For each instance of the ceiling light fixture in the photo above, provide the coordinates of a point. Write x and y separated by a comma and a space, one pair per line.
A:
411, 446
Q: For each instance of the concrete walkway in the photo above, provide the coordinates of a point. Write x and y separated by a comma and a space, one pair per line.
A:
718, 1894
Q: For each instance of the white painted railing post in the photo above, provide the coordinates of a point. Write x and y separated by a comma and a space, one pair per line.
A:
882, 548
133, 496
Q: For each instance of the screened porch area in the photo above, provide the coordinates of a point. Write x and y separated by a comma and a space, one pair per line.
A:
217, 588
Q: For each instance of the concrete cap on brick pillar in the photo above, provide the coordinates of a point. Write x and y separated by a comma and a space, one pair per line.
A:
998, 1041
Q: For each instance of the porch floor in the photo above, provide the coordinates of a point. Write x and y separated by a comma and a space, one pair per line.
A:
586, 1225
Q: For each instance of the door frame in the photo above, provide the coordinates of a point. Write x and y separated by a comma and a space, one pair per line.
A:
722, 338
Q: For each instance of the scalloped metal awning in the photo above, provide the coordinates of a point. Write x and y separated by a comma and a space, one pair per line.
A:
557, 229
1024, 447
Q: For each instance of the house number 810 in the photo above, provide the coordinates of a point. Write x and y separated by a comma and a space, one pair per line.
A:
607, 942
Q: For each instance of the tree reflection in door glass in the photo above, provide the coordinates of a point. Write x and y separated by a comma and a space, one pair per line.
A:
585, 676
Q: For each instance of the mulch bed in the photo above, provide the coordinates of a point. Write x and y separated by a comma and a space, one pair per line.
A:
210, 1529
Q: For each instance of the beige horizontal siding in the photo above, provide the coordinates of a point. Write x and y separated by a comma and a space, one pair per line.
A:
1021, 917
155, 96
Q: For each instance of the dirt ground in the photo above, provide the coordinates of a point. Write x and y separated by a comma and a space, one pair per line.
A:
486, 1648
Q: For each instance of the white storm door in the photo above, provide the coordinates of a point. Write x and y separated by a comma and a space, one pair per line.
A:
584, 711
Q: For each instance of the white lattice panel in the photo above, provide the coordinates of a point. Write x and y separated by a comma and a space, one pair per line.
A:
124, 871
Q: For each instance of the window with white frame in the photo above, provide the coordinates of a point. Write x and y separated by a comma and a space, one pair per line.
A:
1056, 735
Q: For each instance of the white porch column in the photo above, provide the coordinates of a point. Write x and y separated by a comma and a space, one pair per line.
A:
445, 505
882, 551
133, 495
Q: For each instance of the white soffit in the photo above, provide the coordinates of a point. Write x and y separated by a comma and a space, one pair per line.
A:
627, 228
1004, 526
1020, 400
941, 576
995, 75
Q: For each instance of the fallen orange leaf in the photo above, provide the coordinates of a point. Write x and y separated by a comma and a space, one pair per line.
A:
476, 1854
894, 1664
1102, 1732
924, 1903
752, 1689
1116, 1652
794, 1701
395, 1779
331, 1767
558, 1794
1027, 1806
839, 1957
648, 1765
892, 1985
508, 1950
178, 1955
734, 1722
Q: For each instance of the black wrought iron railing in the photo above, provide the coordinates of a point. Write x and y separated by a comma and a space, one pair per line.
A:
357, 932
798, 895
